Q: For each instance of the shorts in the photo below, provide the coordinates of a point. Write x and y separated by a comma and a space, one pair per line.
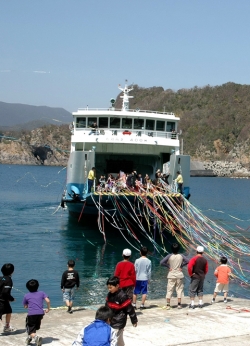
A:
5, 308
33, 323
178, 285
221, 287
68, 294
141, 286
196, 287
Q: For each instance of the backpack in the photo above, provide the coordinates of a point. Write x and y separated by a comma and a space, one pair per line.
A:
98, 333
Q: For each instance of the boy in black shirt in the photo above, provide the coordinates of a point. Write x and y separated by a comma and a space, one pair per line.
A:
70, 279
121, 306
5, 296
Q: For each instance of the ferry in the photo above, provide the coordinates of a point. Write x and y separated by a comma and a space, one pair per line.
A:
120, 141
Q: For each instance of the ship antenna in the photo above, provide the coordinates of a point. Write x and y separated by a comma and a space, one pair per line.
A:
125, 96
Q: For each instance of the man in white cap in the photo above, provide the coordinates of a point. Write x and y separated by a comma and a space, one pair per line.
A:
125, 270
197, 269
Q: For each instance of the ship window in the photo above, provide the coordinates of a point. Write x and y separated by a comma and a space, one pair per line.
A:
80, 122
150, 124
115, 123
138, 124
160, 125
79, 146
170, 126
104, 123
91, 121
126, 123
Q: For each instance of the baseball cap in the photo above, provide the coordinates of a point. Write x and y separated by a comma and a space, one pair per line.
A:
200, 249
126, 252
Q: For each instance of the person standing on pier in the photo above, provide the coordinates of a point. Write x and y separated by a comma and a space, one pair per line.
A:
175, 262
5, 296
70, 279
197, 270
125, 270
143, 275
121, 306
222, 273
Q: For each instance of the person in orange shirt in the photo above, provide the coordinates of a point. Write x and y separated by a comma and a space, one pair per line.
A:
222, 273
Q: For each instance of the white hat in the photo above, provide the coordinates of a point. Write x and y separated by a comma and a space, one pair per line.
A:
126, 252
200, 249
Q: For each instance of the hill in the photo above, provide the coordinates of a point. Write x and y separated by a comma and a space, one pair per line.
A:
215, 121
15, 116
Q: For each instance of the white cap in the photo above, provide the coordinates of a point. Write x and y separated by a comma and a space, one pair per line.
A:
200, 249
126, 252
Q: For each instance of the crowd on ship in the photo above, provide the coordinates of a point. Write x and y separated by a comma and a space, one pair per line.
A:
132, 181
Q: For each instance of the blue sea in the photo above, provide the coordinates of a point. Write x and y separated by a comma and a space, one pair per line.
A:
38, 237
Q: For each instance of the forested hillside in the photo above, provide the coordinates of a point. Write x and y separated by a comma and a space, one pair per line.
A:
215, 121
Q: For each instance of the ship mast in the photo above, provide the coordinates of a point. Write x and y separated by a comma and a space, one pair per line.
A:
125, 97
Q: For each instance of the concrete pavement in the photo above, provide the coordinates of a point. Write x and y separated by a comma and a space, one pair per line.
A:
214, 325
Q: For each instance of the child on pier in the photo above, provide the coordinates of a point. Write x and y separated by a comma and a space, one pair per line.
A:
125, 270
143, 275
5, 296
99, 331
33, 301
222, 273
70, 279
121, 306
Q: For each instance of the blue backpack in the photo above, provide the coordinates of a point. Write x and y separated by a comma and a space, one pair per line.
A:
98, 333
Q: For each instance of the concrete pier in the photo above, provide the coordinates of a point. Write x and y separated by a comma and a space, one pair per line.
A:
213, 325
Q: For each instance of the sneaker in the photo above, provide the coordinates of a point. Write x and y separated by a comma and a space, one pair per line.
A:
225, 300
8, 329
70, 310
212, 301
142, 307
38, 340
200, 306
28, 340
179, 306
134, 306
191, 306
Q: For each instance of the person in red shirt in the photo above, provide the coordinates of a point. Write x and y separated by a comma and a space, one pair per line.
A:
197, 270
125, 271
222, 273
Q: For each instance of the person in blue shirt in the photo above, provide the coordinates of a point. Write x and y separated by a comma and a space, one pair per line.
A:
99, 332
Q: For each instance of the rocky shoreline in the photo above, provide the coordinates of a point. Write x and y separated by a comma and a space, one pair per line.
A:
227, 169
21, 153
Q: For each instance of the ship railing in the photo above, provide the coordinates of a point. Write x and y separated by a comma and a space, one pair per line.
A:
128, 110
131, 132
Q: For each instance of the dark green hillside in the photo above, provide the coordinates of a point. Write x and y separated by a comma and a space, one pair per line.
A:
213, 119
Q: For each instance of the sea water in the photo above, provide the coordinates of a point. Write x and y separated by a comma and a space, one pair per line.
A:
38, 237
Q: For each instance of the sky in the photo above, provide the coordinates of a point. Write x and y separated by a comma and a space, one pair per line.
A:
74, 53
